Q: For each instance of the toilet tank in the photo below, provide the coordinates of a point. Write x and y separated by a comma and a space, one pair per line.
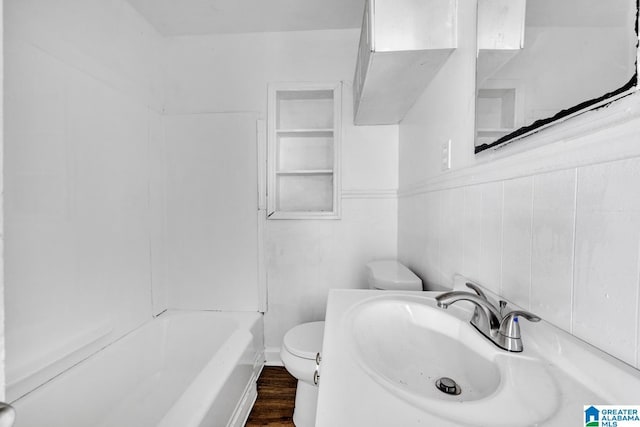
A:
391, 275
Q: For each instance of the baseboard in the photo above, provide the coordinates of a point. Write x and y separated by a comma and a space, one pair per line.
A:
272, 356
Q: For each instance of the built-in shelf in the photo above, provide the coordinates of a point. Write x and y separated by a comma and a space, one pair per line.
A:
310, 132
494, 131
303, 151
498, 110
305, 172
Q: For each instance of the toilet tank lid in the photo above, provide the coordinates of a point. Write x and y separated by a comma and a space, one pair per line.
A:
305, 340
390, 274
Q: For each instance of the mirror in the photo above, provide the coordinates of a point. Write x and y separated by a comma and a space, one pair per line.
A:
542, 61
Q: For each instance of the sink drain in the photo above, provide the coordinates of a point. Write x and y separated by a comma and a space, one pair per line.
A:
448, 386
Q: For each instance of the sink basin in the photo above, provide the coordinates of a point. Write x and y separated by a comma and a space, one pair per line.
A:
406, 343
409, 345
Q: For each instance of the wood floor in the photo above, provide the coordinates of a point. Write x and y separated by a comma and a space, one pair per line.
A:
276, 398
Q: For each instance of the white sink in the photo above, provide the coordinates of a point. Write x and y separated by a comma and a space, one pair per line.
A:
407, 343
384, 350
408, 346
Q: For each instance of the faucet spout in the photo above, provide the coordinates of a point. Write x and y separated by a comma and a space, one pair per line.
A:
488, 320
487, 324
446, 299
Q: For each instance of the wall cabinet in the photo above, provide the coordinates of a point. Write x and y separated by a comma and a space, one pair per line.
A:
304, 129
501, 25
403, 44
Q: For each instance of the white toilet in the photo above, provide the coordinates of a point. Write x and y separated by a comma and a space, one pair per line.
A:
302, 344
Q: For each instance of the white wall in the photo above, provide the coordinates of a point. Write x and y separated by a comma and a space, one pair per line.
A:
212, 207
551, 223
82, 107
304, 258
444, 110
2, 310
222, 73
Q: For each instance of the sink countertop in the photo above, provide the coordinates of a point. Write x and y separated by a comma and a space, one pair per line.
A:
349, 396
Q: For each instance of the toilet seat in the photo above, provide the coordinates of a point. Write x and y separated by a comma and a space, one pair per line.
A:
305, 340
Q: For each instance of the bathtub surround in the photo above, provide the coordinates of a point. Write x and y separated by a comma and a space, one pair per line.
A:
303, 258
83, 112
212, 211
100, 233
551, 223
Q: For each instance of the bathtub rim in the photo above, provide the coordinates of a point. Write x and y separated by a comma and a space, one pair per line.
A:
248, 322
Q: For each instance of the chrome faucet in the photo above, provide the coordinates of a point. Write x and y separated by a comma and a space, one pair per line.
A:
504, 331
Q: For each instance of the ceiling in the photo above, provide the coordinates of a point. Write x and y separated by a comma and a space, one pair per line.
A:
180, 17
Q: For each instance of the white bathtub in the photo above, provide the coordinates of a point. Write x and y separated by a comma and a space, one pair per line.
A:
182, 369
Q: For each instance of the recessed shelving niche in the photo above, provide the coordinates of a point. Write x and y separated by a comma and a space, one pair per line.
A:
498, 110
303, 150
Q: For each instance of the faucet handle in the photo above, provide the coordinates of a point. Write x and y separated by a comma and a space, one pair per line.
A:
521, 313
510, 329
477, 290
509, 326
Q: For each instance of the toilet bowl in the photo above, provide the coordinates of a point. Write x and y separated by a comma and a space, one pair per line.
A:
300, 354
302, 344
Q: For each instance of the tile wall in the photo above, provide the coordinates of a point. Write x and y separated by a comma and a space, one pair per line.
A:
564, 244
